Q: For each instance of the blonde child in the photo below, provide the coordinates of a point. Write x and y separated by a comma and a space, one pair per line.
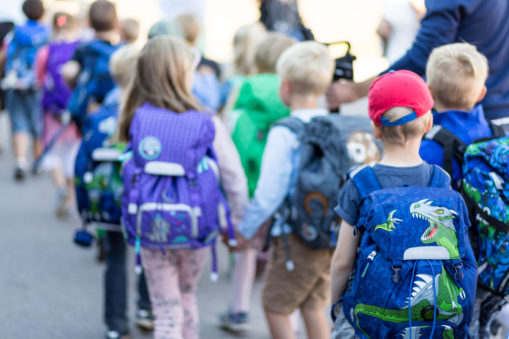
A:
163, 80
258, 98
305, 70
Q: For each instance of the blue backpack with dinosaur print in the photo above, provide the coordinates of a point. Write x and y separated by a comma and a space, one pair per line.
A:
415, 274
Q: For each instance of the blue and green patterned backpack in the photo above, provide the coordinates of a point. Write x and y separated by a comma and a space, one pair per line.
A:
416, 273
486, 190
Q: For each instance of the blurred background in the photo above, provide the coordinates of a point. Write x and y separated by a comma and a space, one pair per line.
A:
330, 20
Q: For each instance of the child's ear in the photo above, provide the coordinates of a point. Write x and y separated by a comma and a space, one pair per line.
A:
284, 91
429, 124
481, 96
377, 130
431, 91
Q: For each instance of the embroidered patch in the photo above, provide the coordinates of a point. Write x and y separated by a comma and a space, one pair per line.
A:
150, 148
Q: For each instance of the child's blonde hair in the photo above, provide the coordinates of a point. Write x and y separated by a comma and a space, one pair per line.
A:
129, 30
400, 135
307, 66
269, 50
122, 64
456, 74
245, 41
189, 27
163, 78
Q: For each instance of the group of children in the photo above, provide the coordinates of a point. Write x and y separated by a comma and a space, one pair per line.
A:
185, 174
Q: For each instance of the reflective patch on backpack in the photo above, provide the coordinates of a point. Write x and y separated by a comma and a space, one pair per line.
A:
150, 148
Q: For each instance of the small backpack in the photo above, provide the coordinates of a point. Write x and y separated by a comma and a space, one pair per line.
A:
56, 93
20, 56
259, 106
483, 187
415, 275
172, 197
98, 164
329, 147
94, 80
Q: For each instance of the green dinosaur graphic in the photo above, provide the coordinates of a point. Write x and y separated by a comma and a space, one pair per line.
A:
442, 232
422, 304
389, 225
441, 227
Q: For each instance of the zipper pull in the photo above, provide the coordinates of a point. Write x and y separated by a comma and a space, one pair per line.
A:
371, 256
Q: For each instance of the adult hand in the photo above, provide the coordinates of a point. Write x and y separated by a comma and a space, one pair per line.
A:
341, 92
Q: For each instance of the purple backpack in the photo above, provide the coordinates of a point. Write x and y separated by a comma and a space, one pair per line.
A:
56, 93
172, 197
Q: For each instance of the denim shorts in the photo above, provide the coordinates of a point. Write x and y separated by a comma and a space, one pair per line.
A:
25, 111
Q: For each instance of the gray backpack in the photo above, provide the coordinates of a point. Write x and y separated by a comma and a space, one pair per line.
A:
329, 147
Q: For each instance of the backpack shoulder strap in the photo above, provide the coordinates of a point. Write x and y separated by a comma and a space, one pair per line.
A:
439, 178
292, 123
496, 130
365, 180
453, 146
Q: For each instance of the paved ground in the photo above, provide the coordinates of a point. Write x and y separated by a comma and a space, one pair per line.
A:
49, 288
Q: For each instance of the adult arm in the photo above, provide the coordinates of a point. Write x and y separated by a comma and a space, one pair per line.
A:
438, 27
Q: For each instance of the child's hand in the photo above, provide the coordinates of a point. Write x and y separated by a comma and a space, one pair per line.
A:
241, 242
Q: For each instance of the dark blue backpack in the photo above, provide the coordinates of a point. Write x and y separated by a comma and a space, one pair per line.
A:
415, 274
98, 168
20, 56
94, 80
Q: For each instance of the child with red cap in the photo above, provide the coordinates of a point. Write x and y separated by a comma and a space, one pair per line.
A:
400, 109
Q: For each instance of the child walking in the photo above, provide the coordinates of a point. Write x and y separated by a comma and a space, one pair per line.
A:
456, 75
415, 273
22, 92
171, 192
306, 71
59, 160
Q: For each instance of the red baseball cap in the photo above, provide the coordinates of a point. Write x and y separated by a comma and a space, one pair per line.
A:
398, 89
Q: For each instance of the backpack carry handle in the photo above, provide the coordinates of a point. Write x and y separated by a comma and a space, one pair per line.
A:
164, 168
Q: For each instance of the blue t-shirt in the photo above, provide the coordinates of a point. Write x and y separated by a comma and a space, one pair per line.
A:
388, 176
468, 126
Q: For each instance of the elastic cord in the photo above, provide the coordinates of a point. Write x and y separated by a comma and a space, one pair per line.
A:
435, 305
410, 300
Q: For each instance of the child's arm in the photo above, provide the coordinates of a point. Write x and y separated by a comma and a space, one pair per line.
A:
70, 72
274, 182
343, 260
41, 61
230, 170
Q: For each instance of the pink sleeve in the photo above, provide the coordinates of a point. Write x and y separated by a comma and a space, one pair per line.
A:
40, 64
231, 172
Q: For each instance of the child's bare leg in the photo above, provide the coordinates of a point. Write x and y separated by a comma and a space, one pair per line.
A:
243, 278
20, 144
279, 325
316, 323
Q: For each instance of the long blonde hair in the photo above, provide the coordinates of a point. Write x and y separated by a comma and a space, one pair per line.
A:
244, 47
163, 78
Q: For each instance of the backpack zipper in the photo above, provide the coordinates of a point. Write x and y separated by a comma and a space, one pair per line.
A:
370, 258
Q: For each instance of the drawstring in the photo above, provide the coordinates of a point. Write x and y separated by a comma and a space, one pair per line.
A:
410, 300
434, 306
213, 275
137, 245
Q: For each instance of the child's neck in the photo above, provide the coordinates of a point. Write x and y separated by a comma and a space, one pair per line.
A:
298, 102
402, 156
111, 36
439, 107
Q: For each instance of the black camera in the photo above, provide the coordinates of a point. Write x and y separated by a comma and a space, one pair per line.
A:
343, 65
